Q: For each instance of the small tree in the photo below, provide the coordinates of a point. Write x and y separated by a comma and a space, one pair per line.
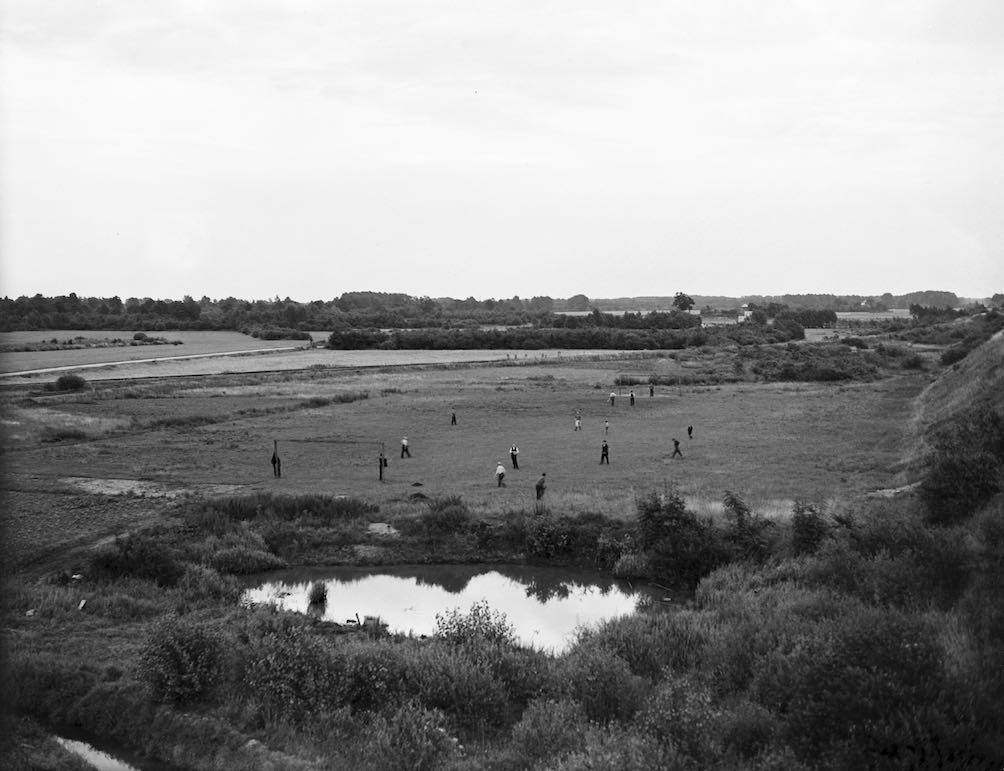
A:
683, 302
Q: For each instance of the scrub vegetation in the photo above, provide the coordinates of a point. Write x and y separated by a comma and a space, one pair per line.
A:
854, 634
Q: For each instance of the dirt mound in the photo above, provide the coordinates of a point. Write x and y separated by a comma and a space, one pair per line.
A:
977, 380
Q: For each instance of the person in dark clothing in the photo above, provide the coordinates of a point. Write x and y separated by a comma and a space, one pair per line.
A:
513, 453
651, 390
382, 462
541, 486
453, 418
276, 460
404, 447
690, 432
605, 453
631, 398
676, 448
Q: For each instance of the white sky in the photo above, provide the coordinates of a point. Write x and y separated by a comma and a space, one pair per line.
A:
258, 148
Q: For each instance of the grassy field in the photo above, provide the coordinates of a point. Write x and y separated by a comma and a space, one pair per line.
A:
132, 444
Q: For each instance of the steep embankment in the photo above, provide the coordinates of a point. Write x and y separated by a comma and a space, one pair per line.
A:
976, 381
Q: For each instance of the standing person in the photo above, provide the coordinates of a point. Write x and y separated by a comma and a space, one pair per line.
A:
578, 423
676, 448
604, 453
612, 397
453, 418
690, 432
382, 462
651, 390
606, 426
500, 473
540, 487
404, 447
276, 460
513, 452
631, 397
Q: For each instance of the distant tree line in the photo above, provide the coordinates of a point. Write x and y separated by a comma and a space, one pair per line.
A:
383, 310
572, 338
350, 310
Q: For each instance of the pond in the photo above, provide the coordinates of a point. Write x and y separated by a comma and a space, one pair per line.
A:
545, 605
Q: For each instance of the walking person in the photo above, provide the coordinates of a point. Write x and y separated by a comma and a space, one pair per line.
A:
605, 453
404, 447
500, 473
578, 423
606, 426
453, 418
651, 390
382, 463
539, 488
513, 452
612, 397
690, 432
676, 448
276, 460
631, 397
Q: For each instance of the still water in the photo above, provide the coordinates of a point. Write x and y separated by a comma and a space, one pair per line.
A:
544, 605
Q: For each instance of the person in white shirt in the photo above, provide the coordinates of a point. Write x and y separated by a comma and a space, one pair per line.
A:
500, 473
404, 447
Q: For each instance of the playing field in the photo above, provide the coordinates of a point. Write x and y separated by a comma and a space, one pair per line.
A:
127, 448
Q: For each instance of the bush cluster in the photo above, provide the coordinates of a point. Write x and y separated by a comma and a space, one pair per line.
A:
138, 555
181, 661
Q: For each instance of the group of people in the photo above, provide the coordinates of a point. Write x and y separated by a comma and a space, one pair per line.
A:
500, 470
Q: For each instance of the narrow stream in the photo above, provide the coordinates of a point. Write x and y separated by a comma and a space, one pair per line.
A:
545, 605
104, 755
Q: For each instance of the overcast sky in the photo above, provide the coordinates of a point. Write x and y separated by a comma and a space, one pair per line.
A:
257, 148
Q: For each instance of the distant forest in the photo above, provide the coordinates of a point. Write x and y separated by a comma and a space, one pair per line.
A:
387, 311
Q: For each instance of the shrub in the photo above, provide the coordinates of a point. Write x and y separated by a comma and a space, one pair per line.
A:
243, 560
372, 674
290, 674
651, 644
747, 729
460, 683
479, 624
548, 729
139, 336
68, 382
412, 738
680, 548
876, 666
50, 434
954, 353
681, 713
747, 534
445, 517
140, 555
181, 661
203, 583
808, 528
602, 683
318, 593
964, 467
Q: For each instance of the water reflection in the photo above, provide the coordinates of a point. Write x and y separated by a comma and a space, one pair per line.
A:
545, 605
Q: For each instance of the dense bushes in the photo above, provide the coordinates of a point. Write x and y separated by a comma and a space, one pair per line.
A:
181, 661
138, 555
965, 465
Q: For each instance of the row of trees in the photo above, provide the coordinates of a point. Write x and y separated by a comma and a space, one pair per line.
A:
383, 310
